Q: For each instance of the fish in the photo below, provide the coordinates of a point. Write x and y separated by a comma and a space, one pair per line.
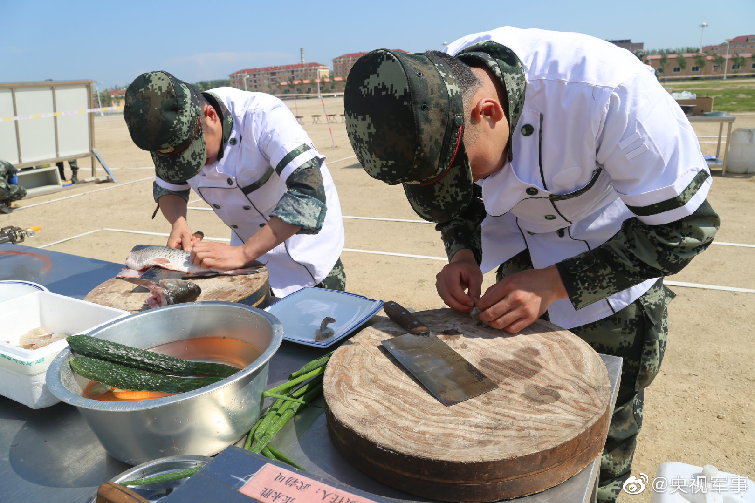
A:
325, 332
168, 292
143, 257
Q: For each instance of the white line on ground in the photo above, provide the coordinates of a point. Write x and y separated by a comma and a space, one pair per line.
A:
392, 254
339, 160
391, 220
69, 238
721, 243
81, 194
406, 255
709, 287
144, 168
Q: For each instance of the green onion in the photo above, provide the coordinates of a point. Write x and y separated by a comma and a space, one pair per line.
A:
163, 477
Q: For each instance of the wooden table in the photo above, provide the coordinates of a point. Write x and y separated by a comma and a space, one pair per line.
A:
721, 119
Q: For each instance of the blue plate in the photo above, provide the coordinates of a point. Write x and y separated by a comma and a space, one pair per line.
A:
302, 313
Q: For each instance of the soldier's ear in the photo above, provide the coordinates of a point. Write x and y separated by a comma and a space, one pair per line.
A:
210, 113
489, 109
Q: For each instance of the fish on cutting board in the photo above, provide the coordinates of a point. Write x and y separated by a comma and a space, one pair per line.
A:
143, 257
165, 287
168, 292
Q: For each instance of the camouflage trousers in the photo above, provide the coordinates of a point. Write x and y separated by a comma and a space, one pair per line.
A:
336, 278
637, 334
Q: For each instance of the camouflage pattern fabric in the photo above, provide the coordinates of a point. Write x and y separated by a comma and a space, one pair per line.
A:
303, 204
163, 116
463, 232
158, 192
637, 252
336, 278
638, 334
405, 120
9, 192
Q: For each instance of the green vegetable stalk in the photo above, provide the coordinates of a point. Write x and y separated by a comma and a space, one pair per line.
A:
302, 388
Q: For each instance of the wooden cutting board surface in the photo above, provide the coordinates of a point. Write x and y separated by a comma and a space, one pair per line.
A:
546, 420
252, 289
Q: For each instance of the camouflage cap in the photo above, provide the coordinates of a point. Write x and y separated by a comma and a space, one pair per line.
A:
405, 119
509, 71
164, 117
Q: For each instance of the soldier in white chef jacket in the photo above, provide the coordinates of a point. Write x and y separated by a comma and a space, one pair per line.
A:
558, 159
246, 155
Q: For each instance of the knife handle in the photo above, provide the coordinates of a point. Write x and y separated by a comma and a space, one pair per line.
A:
404, 318
110, 492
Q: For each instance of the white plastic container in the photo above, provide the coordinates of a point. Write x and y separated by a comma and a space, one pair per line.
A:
741, 151
682, 483
23, 371
12, 288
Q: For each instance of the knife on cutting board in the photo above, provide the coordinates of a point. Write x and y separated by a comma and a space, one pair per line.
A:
447, 375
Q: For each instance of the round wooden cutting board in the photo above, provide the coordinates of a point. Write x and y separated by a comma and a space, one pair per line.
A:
251, 289
546, 420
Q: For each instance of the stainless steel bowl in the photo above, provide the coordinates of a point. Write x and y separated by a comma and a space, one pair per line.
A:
200, 422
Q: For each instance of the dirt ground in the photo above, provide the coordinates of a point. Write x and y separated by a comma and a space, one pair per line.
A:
700, 408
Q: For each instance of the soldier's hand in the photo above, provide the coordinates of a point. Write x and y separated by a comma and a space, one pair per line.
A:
219, 256
181, 236
459, 282
516, 301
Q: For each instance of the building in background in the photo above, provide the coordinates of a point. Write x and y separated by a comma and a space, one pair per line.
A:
633, 47
117, 96
732, 60
342, 64
737, 45
270, 79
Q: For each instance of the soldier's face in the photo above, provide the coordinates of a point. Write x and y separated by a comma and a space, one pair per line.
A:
213, 135
487, 154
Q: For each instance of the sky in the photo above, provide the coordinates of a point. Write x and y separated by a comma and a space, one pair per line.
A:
112, 42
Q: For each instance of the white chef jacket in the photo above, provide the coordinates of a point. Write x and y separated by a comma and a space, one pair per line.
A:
266, 145
597, 134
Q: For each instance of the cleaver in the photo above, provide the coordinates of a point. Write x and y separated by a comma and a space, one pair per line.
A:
442, 371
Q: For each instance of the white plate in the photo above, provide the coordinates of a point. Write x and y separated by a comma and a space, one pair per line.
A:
302, 312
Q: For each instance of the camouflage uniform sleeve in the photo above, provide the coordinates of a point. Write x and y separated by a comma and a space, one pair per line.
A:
463, 232
303, 204
637, 252
158, 192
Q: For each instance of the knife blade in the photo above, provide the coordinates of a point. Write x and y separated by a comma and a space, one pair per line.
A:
447, 375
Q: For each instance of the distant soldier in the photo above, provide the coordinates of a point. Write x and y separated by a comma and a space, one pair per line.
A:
74, 170
9, 192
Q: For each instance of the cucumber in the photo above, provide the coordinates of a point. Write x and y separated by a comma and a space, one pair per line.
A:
101, 349
117, 376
